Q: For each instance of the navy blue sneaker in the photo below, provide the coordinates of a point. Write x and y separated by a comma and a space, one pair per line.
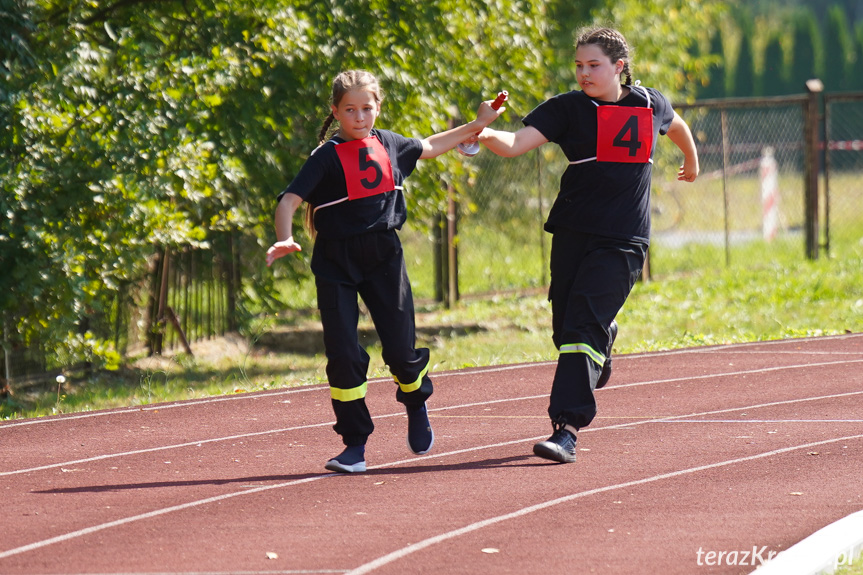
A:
559, 447
420, 434
606, 367
351, 460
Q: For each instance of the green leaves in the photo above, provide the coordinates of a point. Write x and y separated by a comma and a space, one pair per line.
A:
132, 125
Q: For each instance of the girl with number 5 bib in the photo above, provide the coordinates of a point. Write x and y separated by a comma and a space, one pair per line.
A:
600, 220
353, 186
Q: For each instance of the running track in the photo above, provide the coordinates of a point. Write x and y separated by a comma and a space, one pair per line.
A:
711, 450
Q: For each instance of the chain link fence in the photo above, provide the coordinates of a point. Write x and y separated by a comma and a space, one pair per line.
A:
843, 170
751, 204
748, 206
189, 295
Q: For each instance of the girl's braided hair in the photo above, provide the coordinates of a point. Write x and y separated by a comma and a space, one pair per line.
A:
344, 83
612, 43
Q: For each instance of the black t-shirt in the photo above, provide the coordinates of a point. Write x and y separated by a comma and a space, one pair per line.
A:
321, 183
605, 198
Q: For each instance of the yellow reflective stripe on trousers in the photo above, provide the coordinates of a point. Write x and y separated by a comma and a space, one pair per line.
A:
351, 394
409, 387
583, 348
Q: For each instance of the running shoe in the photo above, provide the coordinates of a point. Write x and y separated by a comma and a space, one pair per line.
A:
420, 434
559, 447
351, 460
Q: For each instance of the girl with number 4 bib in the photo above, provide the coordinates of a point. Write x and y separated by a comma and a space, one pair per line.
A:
600, 220
353, 186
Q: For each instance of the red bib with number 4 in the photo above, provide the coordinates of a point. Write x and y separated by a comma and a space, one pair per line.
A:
367, 168
624, 134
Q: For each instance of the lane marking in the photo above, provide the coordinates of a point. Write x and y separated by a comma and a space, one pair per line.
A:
160, 448
413, 460
764, 421
710, 350
401, 414
158, 406
255, 395
405, 551
733, 373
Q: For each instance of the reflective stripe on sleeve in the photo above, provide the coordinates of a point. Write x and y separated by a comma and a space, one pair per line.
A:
583, 348
351, 394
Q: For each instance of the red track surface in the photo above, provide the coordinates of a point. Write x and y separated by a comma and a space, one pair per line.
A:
710, 450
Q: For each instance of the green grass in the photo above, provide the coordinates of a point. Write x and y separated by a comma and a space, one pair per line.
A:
854, 568
751, 300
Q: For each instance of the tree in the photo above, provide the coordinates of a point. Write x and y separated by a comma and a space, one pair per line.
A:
715, 84
663, 33
838, 51
806, 50
133, 126
744, 72
146, 124
772, 78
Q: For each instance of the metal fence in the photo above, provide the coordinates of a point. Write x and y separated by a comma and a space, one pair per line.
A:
843, 170
780, 177
189, 295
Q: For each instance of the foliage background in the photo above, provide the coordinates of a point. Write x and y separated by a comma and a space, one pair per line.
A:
130, 126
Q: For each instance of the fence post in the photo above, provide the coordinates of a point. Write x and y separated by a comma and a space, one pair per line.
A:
440, 263
446, 248
446, 252
452, 247
814, 87
7, 353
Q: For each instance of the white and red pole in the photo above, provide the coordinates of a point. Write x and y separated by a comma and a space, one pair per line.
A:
769, 194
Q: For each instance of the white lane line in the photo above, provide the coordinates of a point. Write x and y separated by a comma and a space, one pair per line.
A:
246, 397
732, 373
159, 406
242, 436
223, 497
161, 448
763, 421
148, 515
405, 551
445, 408
414, 460
454, 373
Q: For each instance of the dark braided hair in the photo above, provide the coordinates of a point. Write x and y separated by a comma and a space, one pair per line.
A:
612, 43
344, 83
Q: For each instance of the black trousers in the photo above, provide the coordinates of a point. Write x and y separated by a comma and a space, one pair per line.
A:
372, 267
591, 277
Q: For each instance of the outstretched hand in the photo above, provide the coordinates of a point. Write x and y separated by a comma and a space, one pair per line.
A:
282, 249
485, 114
688, 172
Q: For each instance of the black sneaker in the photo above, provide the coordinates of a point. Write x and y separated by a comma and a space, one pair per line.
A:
559, 447
420, 434
351, 460
606, 367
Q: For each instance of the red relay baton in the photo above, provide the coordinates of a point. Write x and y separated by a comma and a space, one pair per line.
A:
473, 149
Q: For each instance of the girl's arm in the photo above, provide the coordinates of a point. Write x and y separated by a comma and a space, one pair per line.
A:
284, 221
682, 137
511, 144
442, 142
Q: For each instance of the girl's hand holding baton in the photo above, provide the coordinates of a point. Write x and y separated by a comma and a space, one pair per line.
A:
470, 147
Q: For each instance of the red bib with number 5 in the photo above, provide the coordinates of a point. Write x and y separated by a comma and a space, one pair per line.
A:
367, 168
624, 134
